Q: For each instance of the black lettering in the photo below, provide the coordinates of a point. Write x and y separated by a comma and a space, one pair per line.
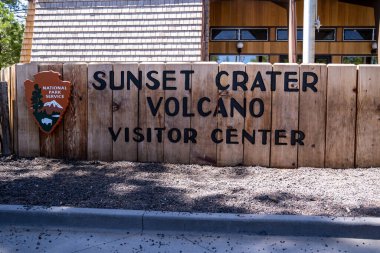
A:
156, 83
236, 83
174, 135
136, 81
190, 134
306, 84
214, 136
258, 82
273, 78
188, 74
218, 83
176, 106
221, 109
154, 109
297, 137
252, 107
112, 81
126, 134
113, 134
235, 105
166, 79
139, 137
98, 77
159, 134
249, 137
200, 107
230, 133
279, 134
264, 138
288, 80
185, 106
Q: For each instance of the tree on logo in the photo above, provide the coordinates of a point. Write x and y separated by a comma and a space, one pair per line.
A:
36, 99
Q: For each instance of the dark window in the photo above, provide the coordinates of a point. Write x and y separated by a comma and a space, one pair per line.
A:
326, 59
361, 34
254, 34
224, 34
239, 58
359, 59
324, 34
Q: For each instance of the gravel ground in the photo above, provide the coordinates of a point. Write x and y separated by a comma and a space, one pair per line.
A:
190, 188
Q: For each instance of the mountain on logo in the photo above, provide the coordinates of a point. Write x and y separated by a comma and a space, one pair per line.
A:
53, 104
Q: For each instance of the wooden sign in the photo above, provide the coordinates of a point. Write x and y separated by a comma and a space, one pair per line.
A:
47, 98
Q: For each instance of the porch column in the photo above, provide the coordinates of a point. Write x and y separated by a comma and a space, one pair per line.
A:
292, 30
309, 31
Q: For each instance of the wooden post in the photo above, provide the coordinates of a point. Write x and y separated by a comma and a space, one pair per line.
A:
4, 120
292, 32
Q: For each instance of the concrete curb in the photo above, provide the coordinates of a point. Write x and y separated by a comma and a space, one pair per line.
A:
281, 225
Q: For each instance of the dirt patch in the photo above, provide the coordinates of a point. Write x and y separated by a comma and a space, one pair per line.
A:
190, 188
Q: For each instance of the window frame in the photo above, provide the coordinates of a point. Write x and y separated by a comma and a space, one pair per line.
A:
239, 33
301, 29
360, 28
236, 55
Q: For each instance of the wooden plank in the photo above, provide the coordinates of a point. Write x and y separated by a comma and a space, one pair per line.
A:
203, 85
51, 145
13, 112
75, 120
284, 118
4, 120
99, 143
341, 113
230, 153
177, 152
312, 117
125, 113
28, 133
259, 152
8, 79
151, 151
368, 117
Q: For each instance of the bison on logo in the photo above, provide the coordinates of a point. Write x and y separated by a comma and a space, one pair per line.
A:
47, 98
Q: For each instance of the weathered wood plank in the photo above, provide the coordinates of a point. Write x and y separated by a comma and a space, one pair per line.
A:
341, 113
4, 120
285, 107
151, 151
312, 117
259, 152
51, 145
368, 117
125, 113
28, 132
75, 120
13, 111
99, 143
203, 85
230, 153
177, 152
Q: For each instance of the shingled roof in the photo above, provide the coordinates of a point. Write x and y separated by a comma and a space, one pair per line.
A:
113, 31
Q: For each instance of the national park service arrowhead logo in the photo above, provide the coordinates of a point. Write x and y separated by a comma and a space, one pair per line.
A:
47, 98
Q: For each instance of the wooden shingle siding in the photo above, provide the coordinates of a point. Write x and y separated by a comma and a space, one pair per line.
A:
117, 31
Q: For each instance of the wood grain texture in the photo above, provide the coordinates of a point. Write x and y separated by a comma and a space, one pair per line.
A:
230, 154
125, 113
285, 106
368, 117
99, 142
75, 119
151, 151
5, 131
51, 145
28, 132
258, 153
341, 113
178, 152
312, 118
13, 111
203, 85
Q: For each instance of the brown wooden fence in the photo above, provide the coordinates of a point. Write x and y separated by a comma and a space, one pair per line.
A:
341, 121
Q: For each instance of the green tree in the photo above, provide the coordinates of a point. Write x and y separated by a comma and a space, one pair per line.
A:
36, 99
11, 34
